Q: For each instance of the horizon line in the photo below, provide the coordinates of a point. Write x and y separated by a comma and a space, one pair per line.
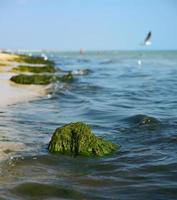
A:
8, 50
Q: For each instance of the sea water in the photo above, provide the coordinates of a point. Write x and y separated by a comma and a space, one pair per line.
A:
114, 98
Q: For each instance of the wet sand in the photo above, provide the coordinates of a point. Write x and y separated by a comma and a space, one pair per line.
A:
8, 148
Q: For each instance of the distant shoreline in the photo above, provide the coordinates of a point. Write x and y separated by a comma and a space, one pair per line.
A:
25, 51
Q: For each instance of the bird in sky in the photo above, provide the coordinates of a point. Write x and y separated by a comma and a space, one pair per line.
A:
147, 41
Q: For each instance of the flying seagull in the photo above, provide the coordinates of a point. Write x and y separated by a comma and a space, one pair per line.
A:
147, 41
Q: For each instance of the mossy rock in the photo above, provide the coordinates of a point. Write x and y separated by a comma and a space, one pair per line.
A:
32, 79
66, 78
78, 139
34, 60
39, 79
144, 120
35, 69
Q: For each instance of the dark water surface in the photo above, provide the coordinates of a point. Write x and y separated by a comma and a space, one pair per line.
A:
115, 99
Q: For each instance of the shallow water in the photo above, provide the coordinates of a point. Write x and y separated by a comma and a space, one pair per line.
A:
114, 99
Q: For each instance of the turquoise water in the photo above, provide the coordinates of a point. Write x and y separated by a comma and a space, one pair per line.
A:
113, 98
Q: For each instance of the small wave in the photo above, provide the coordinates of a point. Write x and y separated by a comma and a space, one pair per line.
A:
83, 60
107, 62
81, 72
9, 149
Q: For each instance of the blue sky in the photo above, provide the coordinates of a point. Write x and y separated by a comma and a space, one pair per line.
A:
88, 24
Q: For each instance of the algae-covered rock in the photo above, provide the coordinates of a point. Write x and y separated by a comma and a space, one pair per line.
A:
39, 79
144, 120
35, 69
34, 60
32, 79
66, 77
78, 139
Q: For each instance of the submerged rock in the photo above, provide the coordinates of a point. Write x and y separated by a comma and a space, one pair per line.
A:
35, 69
144, 121
39, 79
78, 139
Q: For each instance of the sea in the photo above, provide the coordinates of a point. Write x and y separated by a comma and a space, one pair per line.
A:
126, 97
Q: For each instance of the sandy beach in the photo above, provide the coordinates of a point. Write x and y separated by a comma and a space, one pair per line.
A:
13, 93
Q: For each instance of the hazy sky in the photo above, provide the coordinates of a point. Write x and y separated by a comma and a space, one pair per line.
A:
88, 24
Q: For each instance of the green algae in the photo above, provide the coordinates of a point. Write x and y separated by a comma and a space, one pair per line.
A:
66, 78
34, 60
35, 69
32, 79
3, 64
40, 79
78, 139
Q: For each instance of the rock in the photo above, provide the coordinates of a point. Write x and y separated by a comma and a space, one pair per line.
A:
35, 69
143, 119
40, 79
34, 60
66, 77
149, 120
145, 122
78, 139
32, 79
